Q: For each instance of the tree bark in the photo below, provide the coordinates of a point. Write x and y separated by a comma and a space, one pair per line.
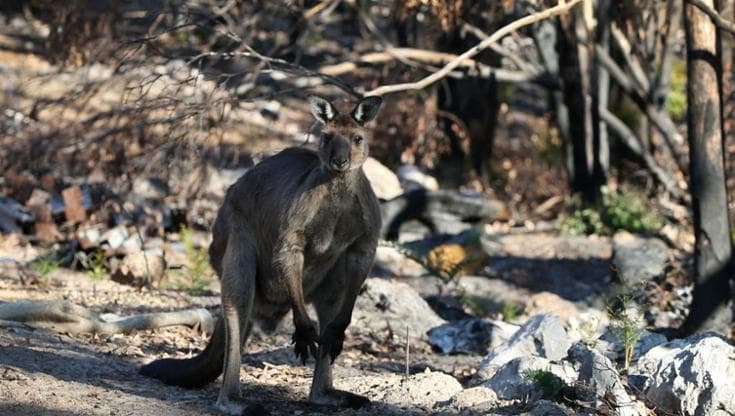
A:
713, 247
578, 83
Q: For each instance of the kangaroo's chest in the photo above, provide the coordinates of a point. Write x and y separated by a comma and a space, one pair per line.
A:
331, 231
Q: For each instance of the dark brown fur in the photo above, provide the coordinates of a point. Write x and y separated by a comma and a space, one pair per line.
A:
300, 227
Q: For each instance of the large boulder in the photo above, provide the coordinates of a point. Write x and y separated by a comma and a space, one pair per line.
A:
541, 336
638, 259
386, 304
384, 182
693, 376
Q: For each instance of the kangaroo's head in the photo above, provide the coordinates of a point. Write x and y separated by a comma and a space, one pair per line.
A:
343, 145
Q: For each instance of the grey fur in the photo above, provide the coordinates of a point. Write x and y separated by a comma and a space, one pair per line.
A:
301, 226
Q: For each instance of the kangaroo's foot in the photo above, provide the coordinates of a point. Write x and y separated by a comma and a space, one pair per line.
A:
339, 398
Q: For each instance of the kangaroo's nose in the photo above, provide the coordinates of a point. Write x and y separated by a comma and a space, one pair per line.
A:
339, 163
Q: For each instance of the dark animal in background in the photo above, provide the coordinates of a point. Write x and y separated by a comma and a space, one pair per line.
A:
300, 227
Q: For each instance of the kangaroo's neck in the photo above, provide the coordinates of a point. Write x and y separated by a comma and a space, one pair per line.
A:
341, 182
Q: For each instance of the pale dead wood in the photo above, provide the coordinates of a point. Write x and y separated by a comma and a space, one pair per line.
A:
62, 316
472, 67
560, 8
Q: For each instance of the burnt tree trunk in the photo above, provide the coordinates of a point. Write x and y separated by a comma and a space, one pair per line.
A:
579, 88
713, 248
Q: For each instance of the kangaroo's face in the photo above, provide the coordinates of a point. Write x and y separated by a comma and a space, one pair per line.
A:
343, 145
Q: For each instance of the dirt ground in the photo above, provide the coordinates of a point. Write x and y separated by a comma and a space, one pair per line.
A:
58, 374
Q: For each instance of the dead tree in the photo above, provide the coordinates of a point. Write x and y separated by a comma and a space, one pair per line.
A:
713, 248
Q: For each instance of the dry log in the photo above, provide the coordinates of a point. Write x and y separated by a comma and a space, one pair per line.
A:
62, 316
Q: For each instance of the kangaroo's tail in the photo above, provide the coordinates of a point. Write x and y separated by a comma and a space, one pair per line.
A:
192, 372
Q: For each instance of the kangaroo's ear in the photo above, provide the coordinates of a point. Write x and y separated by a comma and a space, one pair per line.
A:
322, 109
366, 109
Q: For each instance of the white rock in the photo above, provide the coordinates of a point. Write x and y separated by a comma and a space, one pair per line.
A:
693, 376
542, 336
601, 381
389, 260
411, 178
470, 335
384, 182
384, 304
509, 382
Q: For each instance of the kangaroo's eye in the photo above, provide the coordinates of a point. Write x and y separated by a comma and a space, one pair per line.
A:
357, 139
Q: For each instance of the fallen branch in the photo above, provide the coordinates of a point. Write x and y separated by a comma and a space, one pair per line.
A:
562, 7
62, 316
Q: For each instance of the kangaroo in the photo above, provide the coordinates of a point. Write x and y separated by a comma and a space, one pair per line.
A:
301, 226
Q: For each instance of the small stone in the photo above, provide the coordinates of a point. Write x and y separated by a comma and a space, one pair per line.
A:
141, 268
638, 259
116, 236
547, 302
74, 204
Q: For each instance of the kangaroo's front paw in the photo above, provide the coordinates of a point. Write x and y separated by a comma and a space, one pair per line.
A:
305, 339
332, 341
339, 398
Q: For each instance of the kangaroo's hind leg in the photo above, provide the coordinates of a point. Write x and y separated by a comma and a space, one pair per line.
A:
238, 291
334, 308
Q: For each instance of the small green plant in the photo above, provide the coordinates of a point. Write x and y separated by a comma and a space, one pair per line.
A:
478, 305
197, 273
583, 221
625, 320
511, 311
551, 385
44, 266
96, 265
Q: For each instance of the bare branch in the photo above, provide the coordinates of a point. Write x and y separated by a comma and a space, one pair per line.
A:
560, 8
718, 20
472, 67
633, 143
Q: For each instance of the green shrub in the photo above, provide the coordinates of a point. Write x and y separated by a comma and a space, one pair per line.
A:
45, 265
551, 385
628, 210
583, 221
625, 209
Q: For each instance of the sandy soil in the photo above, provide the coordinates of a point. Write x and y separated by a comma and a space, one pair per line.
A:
58, 374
